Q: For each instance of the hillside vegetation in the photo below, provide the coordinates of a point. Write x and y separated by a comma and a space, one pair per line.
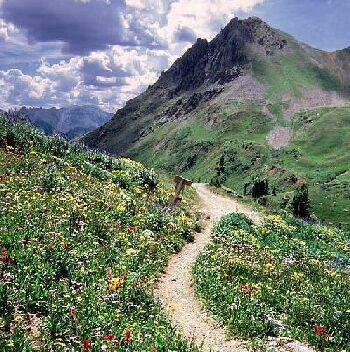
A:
236, 154
281, 279
83, 238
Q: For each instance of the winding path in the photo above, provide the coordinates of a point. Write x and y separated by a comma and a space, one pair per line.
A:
175, 289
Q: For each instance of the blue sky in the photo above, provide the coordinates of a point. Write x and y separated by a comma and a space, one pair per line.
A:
104, 52
324, 24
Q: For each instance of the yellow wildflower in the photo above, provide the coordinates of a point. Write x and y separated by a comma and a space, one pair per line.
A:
10, 344
297, 276
235, 261
115, 284
268, 267
314, 261
120, 208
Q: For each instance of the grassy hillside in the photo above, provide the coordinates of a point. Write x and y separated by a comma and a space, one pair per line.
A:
83, 238
284, 278
322, 141
235, 152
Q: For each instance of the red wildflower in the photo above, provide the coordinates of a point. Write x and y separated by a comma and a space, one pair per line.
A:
109, 337
4, 257
131, 229
118, 226
127, 335
320, 330
65, 245
87, 345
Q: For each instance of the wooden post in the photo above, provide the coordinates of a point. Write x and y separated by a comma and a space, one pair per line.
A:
180, 184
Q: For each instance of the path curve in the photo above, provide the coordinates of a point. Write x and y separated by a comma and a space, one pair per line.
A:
175, 289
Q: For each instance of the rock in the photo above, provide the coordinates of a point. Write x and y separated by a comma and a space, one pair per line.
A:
285, 344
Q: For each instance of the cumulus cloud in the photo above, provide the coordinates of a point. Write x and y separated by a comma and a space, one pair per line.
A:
106, 79
184, 34
64, 75
204, 17
101, 52
3, 31
100, 71
82, 26
18, 88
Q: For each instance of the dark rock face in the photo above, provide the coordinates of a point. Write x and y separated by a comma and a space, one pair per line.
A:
224, 58
188, 72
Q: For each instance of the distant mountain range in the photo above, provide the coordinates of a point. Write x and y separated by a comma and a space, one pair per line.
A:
70, 122
253, 103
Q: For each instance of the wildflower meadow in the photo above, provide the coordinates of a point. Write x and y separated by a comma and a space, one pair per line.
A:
283, 278
83, 237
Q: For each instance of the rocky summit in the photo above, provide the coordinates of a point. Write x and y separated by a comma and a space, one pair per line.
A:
237, 65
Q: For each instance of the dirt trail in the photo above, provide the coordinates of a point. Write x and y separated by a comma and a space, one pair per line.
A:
175, 289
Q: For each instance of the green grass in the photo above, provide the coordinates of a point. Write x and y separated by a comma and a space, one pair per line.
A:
324, 144
290, 73
84, 237
281, 278
318, 154
193, 148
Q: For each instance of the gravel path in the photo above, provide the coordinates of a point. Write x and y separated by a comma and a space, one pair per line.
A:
175, 289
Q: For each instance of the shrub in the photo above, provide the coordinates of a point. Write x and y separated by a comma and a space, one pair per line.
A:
260, 188
300, 203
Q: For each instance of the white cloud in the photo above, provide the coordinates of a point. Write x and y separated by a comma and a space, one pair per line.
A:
8, 32
204, 17
18, 88
110, 77
64, 75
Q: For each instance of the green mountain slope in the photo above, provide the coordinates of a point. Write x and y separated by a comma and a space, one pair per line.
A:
83, 238
236, 109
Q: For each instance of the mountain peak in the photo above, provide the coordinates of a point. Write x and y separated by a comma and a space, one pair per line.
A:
224, 58
248, 61
250, 21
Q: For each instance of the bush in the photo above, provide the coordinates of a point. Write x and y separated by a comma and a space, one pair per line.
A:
300, 203
260, 188
232, 221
